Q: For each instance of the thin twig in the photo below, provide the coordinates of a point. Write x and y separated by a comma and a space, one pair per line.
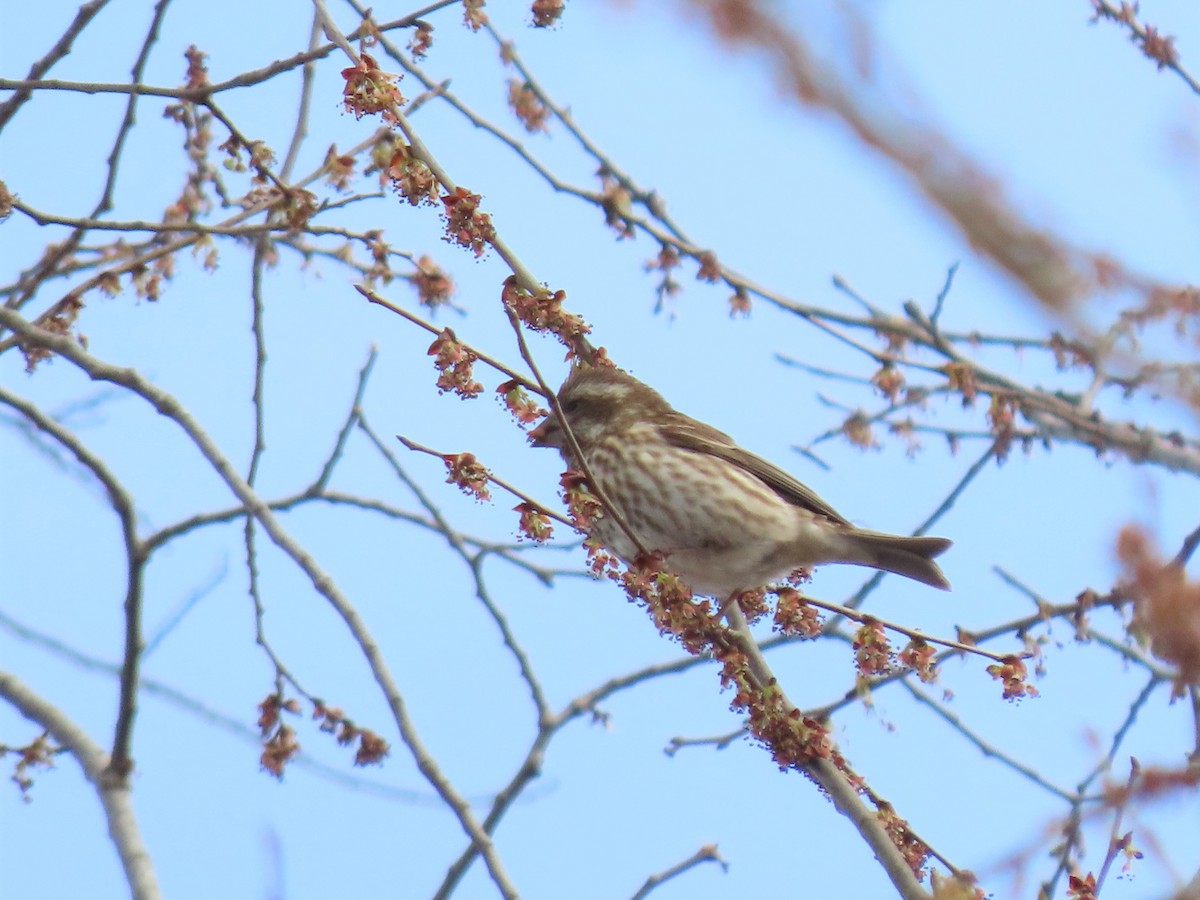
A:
707, 853
984, 747
433, 329
865, 619
499, 482
61, 48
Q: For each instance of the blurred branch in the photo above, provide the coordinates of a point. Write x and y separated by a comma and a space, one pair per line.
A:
1189, 547
61, 48
236, 726
707, 853
97, 768
1050, 269
135, 559
987, 749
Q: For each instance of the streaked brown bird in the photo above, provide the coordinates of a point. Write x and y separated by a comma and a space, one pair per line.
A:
726, 520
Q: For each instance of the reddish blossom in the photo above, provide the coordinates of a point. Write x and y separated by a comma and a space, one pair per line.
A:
454, 361
433, 283
872, 650
473, 15
582, 505
919, 657
543, 312
339, 169
617, 204
1012, 673
518, 402
962, 379
527, 106
278, 750
371, 749
739, 304
793, 616
1159, 48
197, 71
857, 429
411, 178
534, 523
466, 224
710, 269
421, 40
547, 12
1166, 607
889, 381
370, 90
464, 470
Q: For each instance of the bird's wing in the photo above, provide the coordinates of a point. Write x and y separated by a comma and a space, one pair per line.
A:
693, 435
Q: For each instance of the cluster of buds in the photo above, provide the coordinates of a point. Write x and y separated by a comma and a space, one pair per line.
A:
582, 505
527, 107
793, 738
38, 753
60, 323
411, 178
434, 285
546, 12
369, 90
1014, 676
671, 604
473, 15
961, 378
872, 650
542, 312
464, 470
518, 402
793, 616
920, 657
466, 224
454, 360
914, 850
280, 745
371, 747
534, 523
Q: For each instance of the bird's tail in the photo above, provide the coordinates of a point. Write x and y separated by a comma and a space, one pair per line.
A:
911, 557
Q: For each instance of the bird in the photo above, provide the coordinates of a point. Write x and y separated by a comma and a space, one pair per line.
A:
724, 520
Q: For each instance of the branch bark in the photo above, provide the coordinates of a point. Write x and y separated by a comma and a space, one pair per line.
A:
113, 792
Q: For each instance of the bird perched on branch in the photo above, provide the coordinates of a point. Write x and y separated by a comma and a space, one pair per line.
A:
725, 520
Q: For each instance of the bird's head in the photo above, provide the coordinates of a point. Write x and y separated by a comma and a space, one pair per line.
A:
598, 401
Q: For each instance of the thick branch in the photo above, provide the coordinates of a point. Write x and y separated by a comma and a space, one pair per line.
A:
844, 796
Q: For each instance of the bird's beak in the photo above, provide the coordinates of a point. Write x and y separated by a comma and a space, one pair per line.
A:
546, 434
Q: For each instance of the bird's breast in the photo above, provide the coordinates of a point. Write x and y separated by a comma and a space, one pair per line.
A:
678, 499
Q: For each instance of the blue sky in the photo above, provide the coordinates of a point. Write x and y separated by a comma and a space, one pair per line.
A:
1087, 138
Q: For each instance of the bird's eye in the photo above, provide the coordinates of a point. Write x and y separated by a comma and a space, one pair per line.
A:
570, 405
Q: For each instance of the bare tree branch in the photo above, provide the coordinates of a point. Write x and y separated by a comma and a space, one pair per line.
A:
112, 792
170, 407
